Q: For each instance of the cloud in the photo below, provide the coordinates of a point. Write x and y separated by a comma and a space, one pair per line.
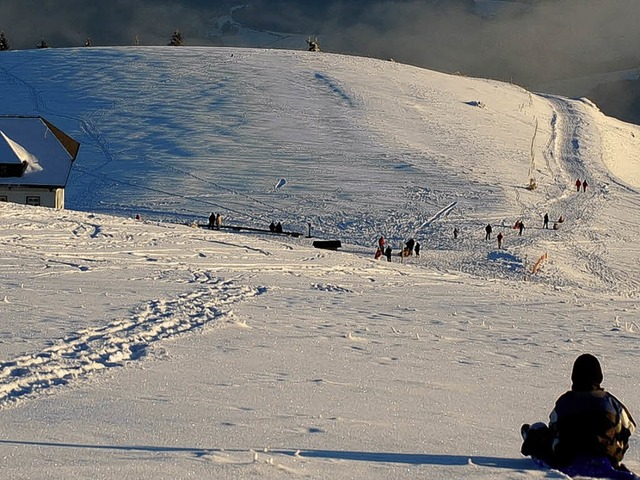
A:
117, 22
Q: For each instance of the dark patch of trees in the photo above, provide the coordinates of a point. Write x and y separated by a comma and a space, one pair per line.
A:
4, 43
176, 39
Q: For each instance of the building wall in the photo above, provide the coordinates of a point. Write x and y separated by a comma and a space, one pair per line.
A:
45, 197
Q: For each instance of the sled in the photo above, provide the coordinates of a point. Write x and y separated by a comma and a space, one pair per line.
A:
328, 244
599, 468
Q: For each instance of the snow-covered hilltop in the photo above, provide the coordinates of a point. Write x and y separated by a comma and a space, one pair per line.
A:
311, 362
362, 147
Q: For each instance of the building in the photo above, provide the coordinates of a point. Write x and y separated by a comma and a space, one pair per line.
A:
35, 161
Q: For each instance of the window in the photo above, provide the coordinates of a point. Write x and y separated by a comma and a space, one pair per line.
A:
33, 200
3, 198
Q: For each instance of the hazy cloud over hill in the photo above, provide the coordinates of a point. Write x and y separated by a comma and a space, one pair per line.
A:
531, 42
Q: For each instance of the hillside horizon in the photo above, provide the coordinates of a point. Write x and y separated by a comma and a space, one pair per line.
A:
559, 47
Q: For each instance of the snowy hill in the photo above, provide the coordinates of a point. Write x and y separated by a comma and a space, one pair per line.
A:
310, 363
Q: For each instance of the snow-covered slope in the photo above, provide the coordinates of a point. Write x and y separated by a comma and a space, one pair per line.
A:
309, 363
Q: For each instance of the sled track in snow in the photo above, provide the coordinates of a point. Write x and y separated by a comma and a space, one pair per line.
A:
571, 127
120, 341
438, 215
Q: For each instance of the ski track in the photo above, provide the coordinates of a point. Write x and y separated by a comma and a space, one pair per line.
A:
568, 124
120, 341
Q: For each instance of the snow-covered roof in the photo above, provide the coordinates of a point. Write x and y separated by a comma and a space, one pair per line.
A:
47, 151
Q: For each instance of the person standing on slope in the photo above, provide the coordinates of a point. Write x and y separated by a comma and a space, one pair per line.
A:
545, 223
487, 229
520, 227
584, 186
387, 253
589, 428
409, 245
500, 237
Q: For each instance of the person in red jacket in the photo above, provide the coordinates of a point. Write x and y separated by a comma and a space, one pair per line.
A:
578, 185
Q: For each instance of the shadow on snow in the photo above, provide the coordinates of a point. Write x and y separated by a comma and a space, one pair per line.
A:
381, 457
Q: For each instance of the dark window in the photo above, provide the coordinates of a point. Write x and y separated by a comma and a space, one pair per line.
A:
33, 200
3, 198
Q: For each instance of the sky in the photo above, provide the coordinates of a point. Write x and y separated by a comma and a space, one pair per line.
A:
531, 43
155, 349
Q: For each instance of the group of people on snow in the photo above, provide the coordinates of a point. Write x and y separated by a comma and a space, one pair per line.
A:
215, 221
412, 246
275, 227
384, 248
518, 225
581, 183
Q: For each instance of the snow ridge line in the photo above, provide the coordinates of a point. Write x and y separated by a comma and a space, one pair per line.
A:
123, 340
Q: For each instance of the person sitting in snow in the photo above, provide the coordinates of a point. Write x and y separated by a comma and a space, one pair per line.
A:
589, 429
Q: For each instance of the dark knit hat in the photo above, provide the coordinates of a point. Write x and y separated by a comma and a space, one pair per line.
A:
586, 373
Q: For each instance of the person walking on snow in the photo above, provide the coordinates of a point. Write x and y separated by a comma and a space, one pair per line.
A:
545, 223
520, 228
584, 186
381, 243
455, 233
578, 185
417, 249
488, 230
212, 220
387, 253
500, 237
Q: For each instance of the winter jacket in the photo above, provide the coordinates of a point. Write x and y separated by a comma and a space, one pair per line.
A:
589, 422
